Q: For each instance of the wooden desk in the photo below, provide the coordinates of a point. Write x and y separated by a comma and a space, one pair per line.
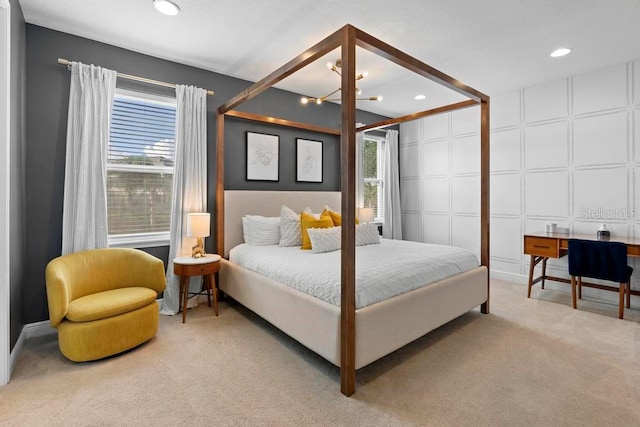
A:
542, 246
207, 266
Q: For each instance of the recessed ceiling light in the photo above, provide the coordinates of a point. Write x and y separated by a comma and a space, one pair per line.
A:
167, 7
560, 52
419, 97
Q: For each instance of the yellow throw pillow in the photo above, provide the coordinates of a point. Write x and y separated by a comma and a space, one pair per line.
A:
310, 221
336, 217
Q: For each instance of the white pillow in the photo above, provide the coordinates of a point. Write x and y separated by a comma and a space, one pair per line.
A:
324, 239
261, 231
290, 231
330, 239
367, 234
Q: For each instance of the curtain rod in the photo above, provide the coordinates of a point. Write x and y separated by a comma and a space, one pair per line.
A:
66, 62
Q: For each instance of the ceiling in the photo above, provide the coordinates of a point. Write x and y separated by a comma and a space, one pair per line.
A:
494, 46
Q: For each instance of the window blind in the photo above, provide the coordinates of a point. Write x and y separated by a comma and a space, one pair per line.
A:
140, 166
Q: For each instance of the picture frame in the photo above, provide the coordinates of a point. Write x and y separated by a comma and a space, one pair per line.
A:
263, 157
308, 160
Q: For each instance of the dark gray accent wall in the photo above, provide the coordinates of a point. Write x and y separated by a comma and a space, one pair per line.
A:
17, 167
47, 105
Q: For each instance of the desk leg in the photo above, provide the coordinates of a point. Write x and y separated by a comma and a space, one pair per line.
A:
544, 270
532, 265
573, 292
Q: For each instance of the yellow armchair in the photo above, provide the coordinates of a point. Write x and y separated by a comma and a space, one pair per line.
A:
103, 301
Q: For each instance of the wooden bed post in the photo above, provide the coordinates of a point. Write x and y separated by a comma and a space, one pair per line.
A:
484, 194
348, 188
220, 184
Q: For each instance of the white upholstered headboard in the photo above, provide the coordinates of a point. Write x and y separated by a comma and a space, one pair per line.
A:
268, 203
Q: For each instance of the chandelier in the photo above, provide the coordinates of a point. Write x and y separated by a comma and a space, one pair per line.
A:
336, 69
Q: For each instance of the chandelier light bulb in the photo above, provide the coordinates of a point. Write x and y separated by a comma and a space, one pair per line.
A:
304, 100
330, 65
364, 74
318, 101
379, 98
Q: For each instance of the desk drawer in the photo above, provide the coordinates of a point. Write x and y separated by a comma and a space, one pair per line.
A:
541, 246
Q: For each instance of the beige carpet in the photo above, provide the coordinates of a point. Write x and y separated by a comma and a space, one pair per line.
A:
530, 362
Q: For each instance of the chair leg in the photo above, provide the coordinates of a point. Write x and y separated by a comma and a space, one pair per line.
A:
579, 287
573, 292
629, 294
621, 305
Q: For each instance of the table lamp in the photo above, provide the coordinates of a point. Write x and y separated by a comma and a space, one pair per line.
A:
365, 215
198, 226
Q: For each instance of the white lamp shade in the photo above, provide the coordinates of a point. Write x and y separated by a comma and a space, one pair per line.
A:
198, 224
365, 215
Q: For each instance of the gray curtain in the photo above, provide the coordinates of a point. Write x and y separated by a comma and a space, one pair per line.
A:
392, 226
189, 183
84, 215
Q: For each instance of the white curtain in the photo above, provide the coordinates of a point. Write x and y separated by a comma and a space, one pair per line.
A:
189, 183
359, 172
392, 225
84, 216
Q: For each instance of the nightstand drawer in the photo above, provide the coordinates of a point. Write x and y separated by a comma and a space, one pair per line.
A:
541, 246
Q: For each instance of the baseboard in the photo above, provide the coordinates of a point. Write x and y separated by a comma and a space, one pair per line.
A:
31, 330
509, 277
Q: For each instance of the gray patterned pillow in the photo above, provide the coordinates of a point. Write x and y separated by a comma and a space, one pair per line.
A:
367, 234
290, 231
330, 239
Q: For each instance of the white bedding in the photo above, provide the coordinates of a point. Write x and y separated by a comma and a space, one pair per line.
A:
382, 271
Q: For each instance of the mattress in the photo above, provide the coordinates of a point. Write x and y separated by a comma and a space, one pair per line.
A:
384, 270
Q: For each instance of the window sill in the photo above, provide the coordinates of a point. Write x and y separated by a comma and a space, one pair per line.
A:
142, 240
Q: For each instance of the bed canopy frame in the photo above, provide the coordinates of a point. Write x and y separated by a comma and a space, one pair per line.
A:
347, 38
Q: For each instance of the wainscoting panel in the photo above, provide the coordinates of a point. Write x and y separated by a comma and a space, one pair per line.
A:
600, 90
412, 227
433, 154
601, 139
546, 146
435, 127
601, 193
547, 101
547, 194
464, 232
465, 152
505, 110
410, 161
505, 150
465, 121
435, 193
436, 229
465, 195
506, 238
506, 190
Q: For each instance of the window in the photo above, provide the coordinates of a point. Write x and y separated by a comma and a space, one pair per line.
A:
373, 173
140, 161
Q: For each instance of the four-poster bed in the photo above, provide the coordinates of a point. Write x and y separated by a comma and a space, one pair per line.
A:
380, 327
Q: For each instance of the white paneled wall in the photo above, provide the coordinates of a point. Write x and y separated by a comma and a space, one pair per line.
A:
566, 151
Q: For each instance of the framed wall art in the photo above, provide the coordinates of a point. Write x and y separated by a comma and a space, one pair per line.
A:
308, 160
263, 152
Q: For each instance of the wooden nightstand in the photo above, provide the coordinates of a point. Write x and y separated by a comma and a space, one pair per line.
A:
207, 266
